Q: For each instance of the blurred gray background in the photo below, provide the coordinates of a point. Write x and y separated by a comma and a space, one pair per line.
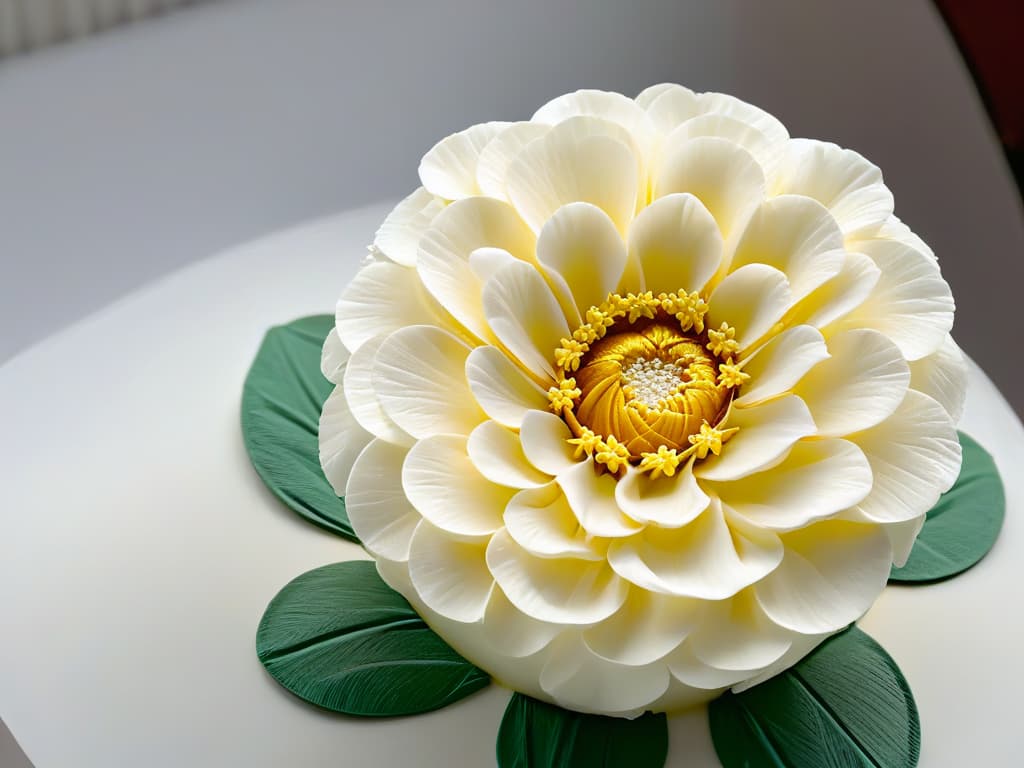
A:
134, 152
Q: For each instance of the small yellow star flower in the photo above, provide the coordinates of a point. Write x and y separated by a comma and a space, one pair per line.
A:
710, 439
664, 462
723, 341
611, 453
730, 375
564, 395
568, 357
586, 443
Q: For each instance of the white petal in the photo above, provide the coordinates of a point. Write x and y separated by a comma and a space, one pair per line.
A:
562, 167
545, 442
817, 479
691, 671
724, 177
524, 314
541, 522
583, 255
802, 645
831, 574
442, 483
381, 298
647, 96
492, 167
677, 244
449, 167
399, 236
894, 229
333, 357
766, 433
943, 376
840, 179
668, 105
504, 392
613, 107
911, 304
914, 455
511, 632
498, 455
861, 384
362, 398
737, 109
752, 300
736, 635
848, 289
796, 235
341, 440
419, 376
777, 366
486, 261
450, 576
647, 627
592, 499
902, 537
711, 558
742, 134
444, 256
669, 502
559, 590
377, 507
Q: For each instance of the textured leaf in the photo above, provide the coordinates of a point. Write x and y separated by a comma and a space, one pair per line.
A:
281, 403
534, 734
846, 705
340, 638
963, 526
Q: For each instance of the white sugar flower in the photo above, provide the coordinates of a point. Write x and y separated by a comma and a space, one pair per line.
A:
644, 397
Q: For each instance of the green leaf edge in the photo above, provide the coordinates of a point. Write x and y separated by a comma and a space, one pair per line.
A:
304, 510
916, 573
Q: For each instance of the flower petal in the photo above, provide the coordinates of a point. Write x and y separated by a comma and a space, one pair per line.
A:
341, 440
613, 107
861, 384
766, 433
711, 558
943, 376
802, 645
541, 522
398, 237
831, 574
668, 105
848, 289
504, 392
902, 537
777, 366
449, 167
378, 509
525, 316
691, 671
419, 378
362, 398
752, 300
592, 499
545, 442
511, 632
450, 576
729, 106
736, 635
677, 244
442, 483
721, 126
498, 455
559, 590
333, 357
647, 627
817, 479
669, 502
492, 167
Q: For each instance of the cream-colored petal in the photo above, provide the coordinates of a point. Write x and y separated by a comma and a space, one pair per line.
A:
677, 244
894, 229
646, 97
737, 635
711, 558
511, 632
381, 298
720, 126
752, 300
341, 440
362, 397
861, 384
766, 433
777, 366
498, 455
914, 455
333, 357
492, 167
839, 295
449, 575
564, 167
796, 235
840, 179
442, 483
583, 255
902, 537
591, 496
911, 304
420, 381
612, 107
669, 105
444, 255
831, 574
724, 177
668, 502
802, 645
545, 438
504, 392
525, 316
943, 376
485, 262
817, 479
398, 237
541, 522
737, 109
378, 509
692, 672
647, 627
558, 590
448, 169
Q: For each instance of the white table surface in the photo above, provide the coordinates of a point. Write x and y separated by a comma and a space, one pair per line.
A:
138, 550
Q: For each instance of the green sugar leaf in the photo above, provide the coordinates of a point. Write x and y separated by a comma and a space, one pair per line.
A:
340, 638
281, 402
846, 705
963, 526
534, 734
